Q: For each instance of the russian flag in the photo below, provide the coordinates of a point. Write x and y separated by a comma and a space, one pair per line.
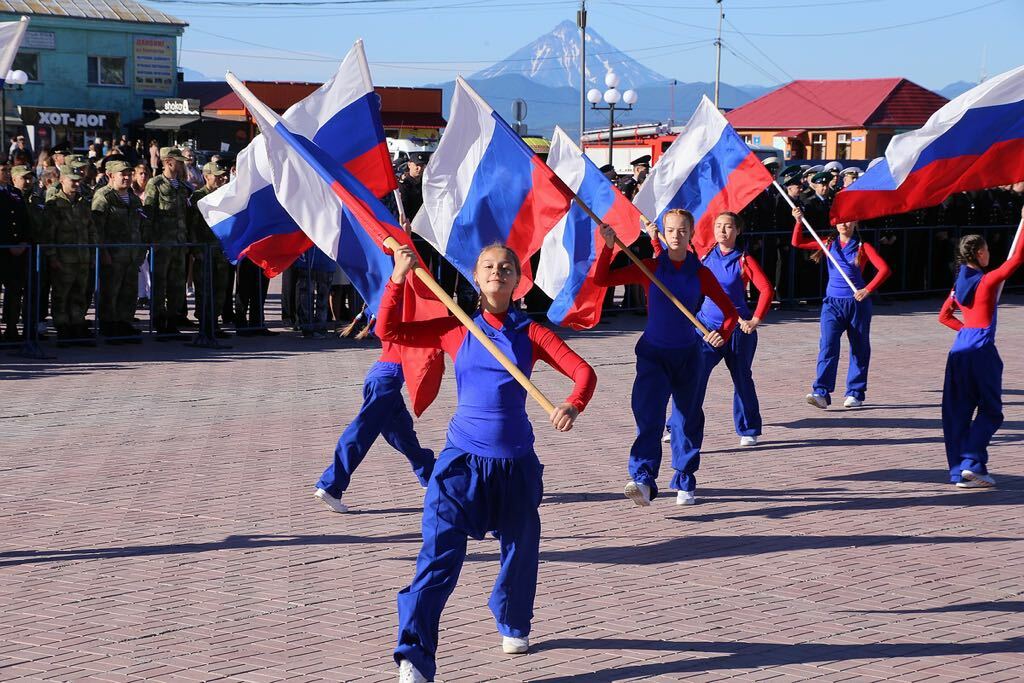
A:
342, 118
344, 219
973, 142
569, 252
11, 35
708, 169
485, 185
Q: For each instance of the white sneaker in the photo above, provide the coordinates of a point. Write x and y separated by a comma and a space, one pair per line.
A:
817, 400
852, 402
407, 673
686, 498
515, 646
973, 480
330, 501
638, 493
748, 441
667, 438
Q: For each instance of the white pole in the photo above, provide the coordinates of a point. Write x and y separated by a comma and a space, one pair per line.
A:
816, 238
1013, 246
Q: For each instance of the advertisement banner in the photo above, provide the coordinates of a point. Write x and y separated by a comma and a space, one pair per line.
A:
155, 67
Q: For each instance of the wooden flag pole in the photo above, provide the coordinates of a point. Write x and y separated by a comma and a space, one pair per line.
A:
815, 236
644, 269
474, 329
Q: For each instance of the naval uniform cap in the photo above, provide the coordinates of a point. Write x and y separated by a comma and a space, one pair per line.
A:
822, 177
645, 160
606, 168
833, 166
420, 158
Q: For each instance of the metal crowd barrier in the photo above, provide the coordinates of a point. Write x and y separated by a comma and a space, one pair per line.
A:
922, 259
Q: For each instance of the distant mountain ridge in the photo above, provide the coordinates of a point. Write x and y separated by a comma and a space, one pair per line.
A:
553, 60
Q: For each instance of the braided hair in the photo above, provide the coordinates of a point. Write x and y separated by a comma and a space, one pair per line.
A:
967, 251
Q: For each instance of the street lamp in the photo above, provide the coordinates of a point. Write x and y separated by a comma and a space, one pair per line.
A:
612, 97
15, 80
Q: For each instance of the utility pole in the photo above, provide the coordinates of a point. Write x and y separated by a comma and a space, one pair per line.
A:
581, 21
718, 45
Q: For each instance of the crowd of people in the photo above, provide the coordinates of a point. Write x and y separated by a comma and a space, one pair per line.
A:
130, 193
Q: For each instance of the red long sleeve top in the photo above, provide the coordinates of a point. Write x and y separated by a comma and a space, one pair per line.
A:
865, 253
448, 334
980, 313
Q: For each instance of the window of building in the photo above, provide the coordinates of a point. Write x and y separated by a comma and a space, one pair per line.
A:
107, 70
29, 63
748, 139
843, 146
818, 146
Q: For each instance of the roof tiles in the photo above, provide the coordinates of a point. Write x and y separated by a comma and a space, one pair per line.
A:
112, 10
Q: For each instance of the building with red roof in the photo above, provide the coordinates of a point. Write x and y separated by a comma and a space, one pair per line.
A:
839, 119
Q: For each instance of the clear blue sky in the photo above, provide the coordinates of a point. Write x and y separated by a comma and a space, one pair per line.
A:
412, 42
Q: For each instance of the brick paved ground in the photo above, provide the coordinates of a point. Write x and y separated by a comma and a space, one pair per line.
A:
157, 524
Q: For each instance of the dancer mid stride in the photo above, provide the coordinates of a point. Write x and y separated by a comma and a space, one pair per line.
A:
733, 269
488, 477
843, 310
668, 359
974, 371
383, 413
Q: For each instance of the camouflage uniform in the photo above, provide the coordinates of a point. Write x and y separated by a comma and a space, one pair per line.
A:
218, 269
118, 222
167, 208
69, 221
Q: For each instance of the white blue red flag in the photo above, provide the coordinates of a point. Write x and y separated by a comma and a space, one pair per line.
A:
708, 169
569, 252
342, 118
973, 142
485, 185
11, 35
344, 219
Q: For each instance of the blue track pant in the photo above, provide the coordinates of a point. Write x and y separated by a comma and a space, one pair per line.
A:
738, 354
383, 414
470, 495
662, 374
839, 315
974, 379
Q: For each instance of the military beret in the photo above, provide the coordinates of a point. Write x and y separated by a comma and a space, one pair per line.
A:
645, 160
420, 158
21, 171
117, 166
823, 177
68, 171
213, 168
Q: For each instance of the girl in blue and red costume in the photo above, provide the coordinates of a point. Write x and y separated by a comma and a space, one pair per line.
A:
974, 371
734, 269
488, 477
843, 311
668, 360
383, 413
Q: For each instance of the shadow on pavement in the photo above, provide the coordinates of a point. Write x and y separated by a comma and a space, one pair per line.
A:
749, 655
235, 542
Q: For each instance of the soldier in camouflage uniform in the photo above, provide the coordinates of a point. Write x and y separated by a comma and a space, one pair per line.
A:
219, 268
119, 219
69, 221
166, 205
23, 179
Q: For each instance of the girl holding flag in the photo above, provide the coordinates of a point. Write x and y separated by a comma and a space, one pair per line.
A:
668, 360
843, 310
974, 371
383, 413
488, 477
734, 268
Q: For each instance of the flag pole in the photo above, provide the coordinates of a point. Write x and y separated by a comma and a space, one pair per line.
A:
815, 236
474, 329
267, 114
1013, 247
643, 267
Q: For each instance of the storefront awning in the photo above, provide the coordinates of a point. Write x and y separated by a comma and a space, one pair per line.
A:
790, 133
169, 122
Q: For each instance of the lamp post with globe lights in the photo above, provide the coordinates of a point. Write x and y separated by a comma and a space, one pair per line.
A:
14, 81
612, 97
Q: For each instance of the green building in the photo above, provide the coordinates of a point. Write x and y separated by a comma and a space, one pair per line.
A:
94, 68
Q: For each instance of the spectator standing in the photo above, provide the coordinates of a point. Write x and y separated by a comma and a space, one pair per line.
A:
166, 204
69, 222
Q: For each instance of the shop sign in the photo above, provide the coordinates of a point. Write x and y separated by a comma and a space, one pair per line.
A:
69, 118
